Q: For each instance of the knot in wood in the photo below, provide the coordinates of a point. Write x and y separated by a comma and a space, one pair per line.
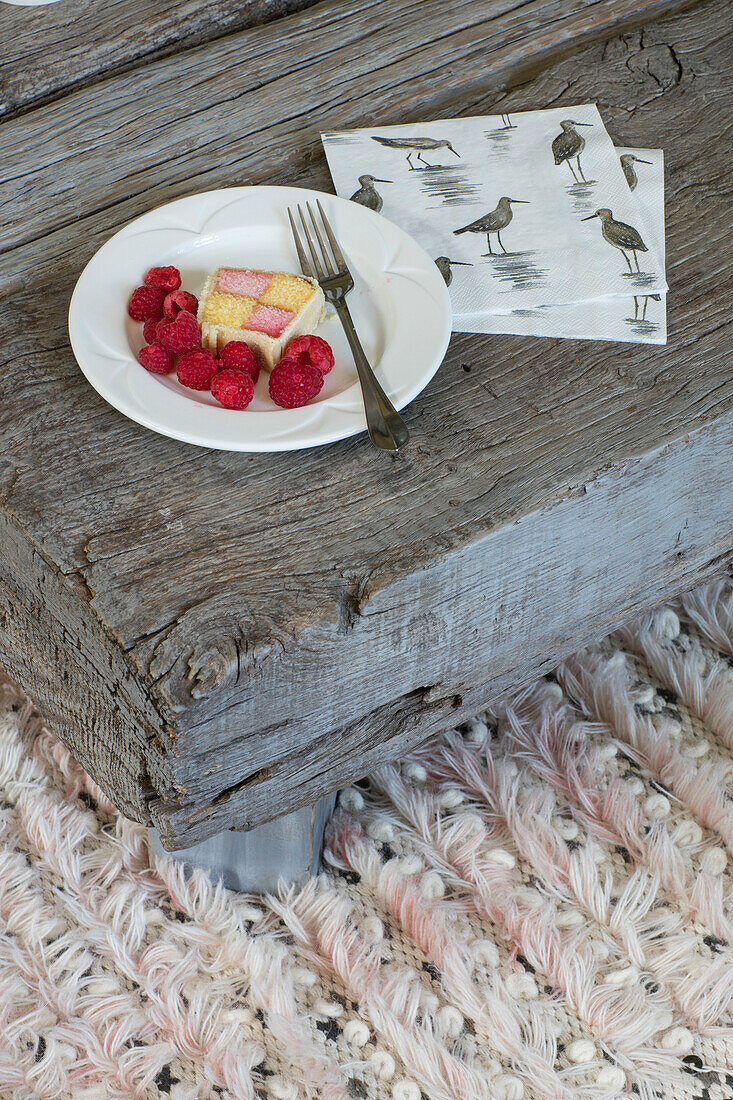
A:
209, 671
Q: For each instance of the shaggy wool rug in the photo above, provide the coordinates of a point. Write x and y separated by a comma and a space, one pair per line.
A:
537, 905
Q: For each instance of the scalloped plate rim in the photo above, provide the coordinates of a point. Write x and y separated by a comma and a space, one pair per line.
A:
270, 431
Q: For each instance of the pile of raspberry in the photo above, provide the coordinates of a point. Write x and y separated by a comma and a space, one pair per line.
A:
173, 340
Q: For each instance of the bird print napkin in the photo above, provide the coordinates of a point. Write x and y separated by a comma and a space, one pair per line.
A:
519, 212
641, 318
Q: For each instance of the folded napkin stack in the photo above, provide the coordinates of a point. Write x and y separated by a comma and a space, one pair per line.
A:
539, 225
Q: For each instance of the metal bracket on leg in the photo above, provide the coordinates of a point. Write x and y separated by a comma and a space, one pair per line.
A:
253, 862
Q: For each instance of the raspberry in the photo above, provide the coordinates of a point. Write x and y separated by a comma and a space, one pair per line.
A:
150, 330
180, 335
294, 382
180, 300
196, 369
236, 355
234, 389
146, 302
167, 278
315, 348
156, 359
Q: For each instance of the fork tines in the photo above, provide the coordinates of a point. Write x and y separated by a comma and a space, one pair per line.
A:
324, 263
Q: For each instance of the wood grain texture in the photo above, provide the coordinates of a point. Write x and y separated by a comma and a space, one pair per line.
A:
390, 595
533, 593
56, 646
49, 50
120, 146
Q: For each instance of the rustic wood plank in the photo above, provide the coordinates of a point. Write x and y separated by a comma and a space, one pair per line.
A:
532, 594
57, 648
48, 50
121, 147
271, 686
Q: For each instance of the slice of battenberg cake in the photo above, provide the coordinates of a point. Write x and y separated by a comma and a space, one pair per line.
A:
266, 309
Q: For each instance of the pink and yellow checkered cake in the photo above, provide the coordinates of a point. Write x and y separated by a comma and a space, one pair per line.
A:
266, 309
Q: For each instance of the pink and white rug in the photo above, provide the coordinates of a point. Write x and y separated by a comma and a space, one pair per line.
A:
537, 905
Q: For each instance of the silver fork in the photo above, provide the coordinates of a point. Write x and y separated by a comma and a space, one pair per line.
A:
386, 427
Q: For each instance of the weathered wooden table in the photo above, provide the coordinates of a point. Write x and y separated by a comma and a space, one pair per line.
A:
221, 638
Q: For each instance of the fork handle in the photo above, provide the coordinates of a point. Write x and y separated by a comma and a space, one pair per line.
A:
386, 427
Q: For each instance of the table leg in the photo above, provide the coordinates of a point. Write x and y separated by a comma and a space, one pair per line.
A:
253, 862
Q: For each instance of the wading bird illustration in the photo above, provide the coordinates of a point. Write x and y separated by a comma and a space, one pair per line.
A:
367, 195
645, 303
444, 265
620, 235
627, 163
507, 122
417, 145
493, 222
568, 146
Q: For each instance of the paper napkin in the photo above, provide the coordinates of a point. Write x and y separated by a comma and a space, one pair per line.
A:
641, 318
507, 197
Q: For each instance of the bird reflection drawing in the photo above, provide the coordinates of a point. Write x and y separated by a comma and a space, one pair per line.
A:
515, 267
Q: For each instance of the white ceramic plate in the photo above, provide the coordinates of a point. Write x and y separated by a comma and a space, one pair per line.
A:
400, 306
